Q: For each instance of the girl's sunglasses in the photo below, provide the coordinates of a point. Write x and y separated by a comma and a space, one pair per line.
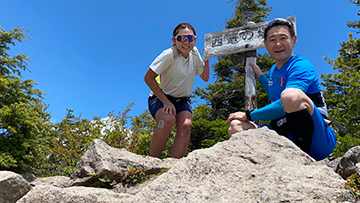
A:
182, 38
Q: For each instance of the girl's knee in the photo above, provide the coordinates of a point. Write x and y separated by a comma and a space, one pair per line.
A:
185, 128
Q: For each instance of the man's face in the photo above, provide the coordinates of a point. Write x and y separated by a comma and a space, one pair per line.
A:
279, 44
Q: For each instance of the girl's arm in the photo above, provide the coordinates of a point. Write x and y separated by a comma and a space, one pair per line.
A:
205, 75
154, 86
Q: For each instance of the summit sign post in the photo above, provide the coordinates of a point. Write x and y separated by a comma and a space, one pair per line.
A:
246, 39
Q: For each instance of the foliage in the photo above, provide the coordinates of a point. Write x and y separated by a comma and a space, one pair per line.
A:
73, 137
116, 134
353, 184
344, 143
103, 182
75, 134
135, 175
24, 122
227, 95
342, 92
143, 127
206, 133
248, 10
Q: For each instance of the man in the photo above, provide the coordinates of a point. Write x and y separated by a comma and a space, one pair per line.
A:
297, 108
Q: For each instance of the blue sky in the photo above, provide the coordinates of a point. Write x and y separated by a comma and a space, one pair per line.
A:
91, 56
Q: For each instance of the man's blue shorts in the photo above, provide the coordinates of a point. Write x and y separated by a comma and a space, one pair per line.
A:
323, 140
180, 103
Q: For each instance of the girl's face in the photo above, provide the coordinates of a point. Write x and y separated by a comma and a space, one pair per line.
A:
186, 43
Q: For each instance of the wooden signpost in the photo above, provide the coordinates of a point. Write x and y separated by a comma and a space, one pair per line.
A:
246, 39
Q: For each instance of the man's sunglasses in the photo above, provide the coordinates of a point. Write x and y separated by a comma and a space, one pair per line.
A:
182, 38
278, 20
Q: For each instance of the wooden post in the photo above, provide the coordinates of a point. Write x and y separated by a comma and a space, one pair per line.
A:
246, 39
250, 81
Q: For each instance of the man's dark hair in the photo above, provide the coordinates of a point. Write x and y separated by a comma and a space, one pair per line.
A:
280, 21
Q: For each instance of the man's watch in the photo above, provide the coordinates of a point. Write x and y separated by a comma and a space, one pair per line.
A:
248, 112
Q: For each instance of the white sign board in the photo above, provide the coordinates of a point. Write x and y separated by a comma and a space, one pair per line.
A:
240, 39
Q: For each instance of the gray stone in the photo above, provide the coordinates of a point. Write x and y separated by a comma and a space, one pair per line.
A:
52, 194
347, 164
12, 187
101, 159
253, 166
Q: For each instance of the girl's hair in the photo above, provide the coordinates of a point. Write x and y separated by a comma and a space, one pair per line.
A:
182, 26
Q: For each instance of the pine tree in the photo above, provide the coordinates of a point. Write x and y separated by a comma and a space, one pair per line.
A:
227, 95
24, 122
342, 91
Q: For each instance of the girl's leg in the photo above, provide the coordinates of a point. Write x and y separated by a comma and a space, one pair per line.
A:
162, 131
183, 127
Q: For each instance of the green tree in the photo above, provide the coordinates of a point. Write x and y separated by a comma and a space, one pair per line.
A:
342, 91
24, 122
73, 136
205, 133
227, 95
143, 127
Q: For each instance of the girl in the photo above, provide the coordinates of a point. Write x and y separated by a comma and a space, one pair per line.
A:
170, 103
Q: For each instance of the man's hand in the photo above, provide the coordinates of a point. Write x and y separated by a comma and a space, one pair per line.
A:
241, 116
257, 70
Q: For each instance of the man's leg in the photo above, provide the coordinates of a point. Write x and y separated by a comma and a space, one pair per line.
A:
238, 126
183, 127
162, 131
298, 108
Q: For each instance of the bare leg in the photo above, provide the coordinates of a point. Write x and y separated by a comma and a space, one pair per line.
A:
183, 126
162, 131
295, 100
238, 126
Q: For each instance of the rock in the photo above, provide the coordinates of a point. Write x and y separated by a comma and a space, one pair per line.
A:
52, 194
253, 166
57, 181
334, 163
347, 164
12, 187
101, 159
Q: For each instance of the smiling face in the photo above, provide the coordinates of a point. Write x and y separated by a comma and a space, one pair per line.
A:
279, 44
186, 46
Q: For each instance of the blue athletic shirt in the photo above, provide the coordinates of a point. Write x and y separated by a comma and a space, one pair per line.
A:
297, 72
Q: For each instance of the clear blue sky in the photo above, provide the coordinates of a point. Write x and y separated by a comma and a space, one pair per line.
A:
91, 56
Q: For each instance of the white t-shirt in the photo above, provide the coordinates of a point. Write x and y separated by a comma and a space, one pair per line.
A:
177, 74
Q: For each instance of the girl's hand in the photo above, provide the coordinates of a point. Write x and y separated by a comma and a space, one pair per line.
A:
169, 108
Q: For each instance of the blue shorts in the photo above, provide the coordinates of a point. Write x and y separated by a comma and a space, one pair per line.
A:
181, 104
323, 140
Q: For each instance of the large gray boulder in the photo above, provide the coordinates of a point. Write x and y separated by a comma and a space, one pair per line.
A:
100, 159
253, 166
348, 164
12, 187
